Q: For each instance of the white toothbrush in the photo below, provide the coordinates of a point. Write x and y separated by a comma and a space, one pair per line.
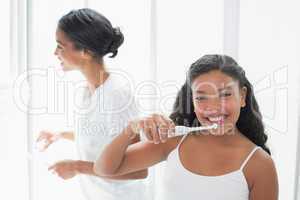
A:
183, 130
179, 130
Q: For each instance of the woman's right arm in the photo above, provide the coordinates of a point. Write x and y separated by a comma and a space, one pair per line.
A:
119, 157
68, 135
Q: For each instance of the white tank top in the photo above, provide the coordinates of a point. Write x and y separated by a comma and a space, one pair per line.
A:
179, 183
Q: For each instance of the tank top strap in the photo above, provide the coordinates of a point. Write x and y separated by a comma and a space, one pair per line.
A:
248, 157
180, 142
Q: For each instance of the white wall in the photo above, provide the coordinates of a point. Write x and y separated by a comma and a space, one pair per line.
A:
186, 30
268, 50
13, 142
50, 99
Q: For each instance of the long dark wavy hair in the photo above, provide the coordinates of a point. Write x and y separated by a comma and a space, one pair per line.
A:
250, 120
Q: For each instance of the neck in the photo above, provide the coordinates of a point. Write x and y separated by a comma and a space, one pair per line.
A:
95, 74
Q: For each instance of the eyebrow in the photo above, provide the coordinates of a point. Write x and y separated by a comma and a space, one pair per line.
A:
219, 90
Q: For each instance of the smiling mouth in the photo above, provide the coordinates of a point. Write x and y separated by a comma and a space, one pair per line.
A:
217, 119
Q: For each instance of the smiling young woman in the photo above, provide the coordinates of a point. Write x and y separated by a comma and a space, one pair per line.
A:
231, 162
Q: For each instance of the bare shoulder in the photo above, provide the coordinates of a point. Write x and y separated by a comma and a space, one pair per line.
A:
263, 156
169, 145
261, 175
262, 163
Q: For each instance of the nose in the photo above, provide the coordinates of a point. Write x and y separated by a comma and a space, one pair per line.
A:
55, 51
213, 106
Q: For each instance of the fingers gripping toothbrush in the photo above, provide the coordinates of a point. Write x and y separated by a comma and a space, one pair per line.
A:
183, 130
179, 130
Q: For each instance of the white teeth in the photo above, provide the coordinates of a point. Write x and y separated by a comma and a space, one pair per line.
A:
216, 119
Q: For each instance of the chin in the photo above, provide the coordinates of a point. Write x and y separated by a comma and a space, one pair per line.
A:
66, 68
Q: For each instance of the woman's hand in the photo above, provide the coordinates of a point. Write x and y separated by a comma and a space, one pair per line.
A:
65, 169
45, 139
156, 128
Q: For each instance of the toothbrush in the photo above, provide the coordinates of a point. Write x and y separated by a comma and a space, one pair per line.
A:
183, 130
179, 130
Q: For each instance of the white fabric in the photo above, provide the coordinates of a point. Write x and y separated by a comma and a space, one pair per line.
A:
180, 183
100, 117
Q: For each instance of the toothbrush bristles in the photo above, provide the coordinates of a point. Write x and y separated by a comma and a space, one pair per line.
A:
214, 126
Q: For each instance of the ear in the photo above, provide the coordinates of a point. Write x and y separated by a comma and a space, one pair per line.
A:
86, 54
243, 96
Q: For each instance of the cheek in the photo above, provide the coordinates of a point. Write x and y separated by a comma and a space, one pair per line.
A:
69, 58
206, 108
230, 108
233, 109
61, 55
75, 57
199, 109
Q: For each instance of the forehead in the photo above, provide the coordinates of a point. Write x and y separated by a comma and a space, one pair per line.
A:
214, 80
61, 37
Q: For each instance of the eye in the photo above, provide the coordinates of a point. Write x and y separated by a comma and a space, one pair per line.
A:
225, 94
58, 46
201, 98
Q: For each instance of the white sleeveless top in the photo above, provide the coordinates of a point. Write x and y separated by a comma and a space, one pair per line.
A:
181, 184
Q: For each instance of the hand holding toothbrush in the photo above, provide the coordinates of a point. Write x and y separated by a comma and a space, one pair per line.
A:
158, 128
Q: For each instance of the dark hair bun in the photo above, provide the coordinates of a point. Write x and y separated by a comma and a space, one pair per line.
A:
117, 41
90, 30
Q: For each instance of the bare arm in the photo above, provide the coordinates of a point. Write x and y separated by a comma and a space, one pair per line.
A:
84, 167
67, 169
68, 135
265, 183
119, 158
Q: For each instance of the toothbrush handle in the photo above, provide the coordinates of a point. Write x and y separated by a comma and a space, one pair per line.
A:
178, 131
138, 130
142, 136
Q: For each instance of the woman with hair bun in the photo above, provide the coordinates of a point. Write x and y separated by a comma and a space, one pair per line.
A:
83, 38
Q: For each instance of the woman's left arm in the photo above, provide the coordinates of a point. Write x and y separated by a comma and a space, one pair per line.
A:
85, 167
67, 169
265, 181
